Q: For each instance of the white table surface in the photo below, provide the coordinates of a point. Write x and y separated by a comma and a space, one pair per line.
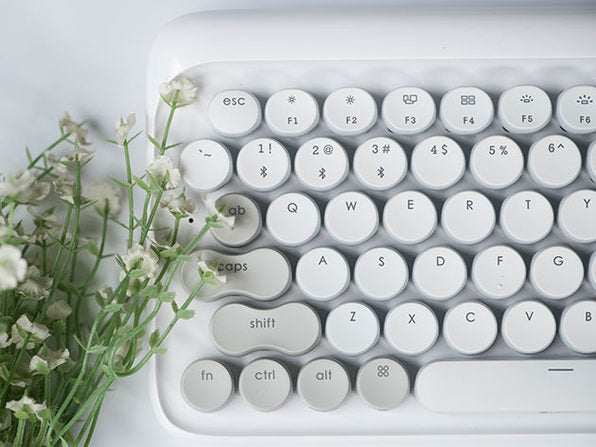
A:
89, 58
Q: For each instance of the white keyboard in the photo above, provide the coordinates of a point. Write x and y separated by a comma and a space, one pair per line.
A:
415, 223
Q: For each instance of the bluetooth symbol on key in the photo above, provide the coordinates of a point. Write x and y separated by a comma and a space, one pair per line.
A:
381, 172
263, 172
322, 173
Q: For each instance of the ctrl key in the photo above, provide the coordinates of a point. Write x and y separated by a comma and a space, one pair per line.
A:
323, 384
207, 385
265, 384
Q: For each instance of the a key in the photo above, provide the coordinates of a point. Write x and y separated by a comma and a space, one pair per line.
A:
496, 162
351, 218
205, 165
591, 161
528, 327
291, 112
380, 163
554, 161
576, 109
323, 384
262, 274
408, 110
438, 162
410, 217
350, 111
578, 326
556, 272
247, 222
468, 217
466, 110
411, 328
524, 109
322, 273
498, 272
234, 113
265, 384
382, 383
577, 216
263, 164
508, 386
293, 219
352, 328
207, 385
292, 329
439, 273
526, 217
381, 273
470, 328
592, 270
321, 164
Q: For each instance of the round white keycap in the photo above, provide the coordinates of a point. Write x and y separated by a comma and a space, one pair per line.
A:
350, 111
438, 162
382, 383
411, 328
576, 109
556, 272
322, 273
468, 217
554, 161
381, 273
207, 385
321, 164
528, 327
592, 270
380, 163
496, 162
291, 112
526, 217
410, 217
470, 328
234, 113
351, 218
247, 220
466, 110
439, 273
352, 328
578, 326
205, 165
524, 109
408, 110
263, 164
577, 216
323, 384
591, 161
293, 219
265, 384
498, 272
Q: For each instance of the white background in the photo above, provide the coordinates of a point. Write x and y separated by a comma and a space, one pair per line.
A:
90, 58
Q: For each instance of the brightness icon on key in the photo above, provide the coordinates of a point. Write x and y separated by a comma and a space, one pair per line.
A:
584, 100
350, 99
291, 99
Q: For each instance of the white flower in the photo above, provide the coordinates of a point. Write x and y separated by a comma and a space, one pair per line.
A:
188, 91
65, 189
123, 128
105, 194
35, 287
139, 257
38, 332
5, 341
209, 271
13, 267
58, 310
27, 405
56, 164
161, 166
69, 126
178, 204
45, 223
78, 154
226, 221
16, 184
5, 231
51, 359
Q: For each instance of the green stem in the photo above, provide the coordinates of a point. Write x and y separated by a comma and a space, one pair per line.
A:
131, 207
20, 433
47, 149
166, 132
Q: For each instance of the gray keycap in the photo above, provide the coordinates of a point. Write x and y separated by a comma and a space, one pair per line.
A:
323, 384
382, 383
262, 274
265, 384
207, 385
247, 225
292, 328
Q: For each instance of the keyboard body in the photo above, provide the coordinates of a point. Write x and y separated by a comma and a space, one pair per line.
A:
377, 51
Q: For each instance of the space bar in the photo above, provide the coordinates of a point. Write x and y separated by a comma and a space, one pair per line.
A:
508, 386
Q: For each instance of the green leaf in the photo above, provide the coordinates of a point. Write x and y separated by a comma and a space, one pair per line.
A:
154, 338
69, 287
96, 349
169, 252
113, 307
152, 291
43, 369
118, 182
159, 351
21, 415
154, 142
137, 273
174, 306
167, 297
142, 184
185, 314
